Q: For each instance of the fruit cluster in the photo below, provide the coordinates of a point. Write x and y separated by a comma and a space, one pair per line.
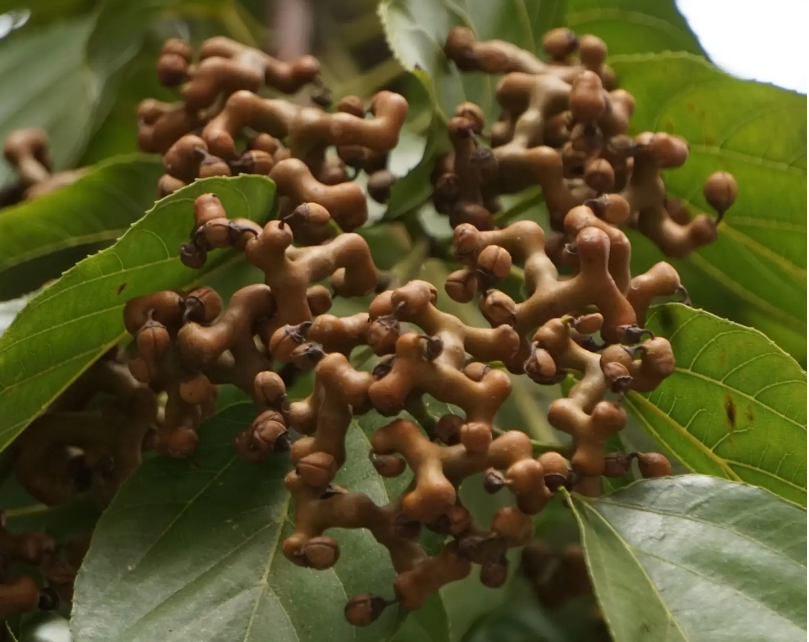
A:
223, 127
563, 127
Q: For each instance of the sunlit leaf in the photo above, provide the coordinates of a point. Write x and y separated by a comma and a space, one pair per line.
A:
735, 406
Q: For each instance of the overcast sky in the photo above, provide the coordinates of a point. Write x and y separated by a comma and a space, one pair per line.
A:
763, 40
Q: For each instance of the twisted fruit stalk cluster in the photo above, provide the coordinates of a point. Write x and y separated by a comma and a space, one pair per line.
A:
289, 142
561, 130
186, 344
583, 312
26, 555
559, 575
563, 126
91, 439
87, 443
27, 150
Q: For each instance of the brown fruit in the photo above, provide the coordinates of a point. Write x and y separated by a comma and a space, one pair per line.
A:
388, 465
364, 609
380, 184
153, 341
592, 52
494, 573
448, 429
196, 389
513, 526
616, 464
599, 175
495, 262
720, 190
560, 43
653, 465
317, 469
269, 388
320, 553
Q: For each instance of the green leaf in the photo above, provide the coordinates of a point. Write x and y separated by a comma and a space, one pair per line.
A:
735, 406
71, 519
74, 321
67, 74
53, 87
10, 632
758, 133
118, 133
189, 550
696, 559
47, 10
417, 29
633, 26
39, 239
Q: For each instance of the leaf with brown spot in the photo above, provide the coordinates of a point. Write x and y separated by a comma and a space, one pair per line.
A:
730, 412
689, 413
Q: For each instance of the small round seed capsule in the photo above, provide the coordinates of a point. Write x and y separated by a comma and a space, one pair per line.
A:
495, 262
153, 341
317, 469
380, 184
720, 190
269, 388
388, 465
616, 464
448, 429
494, 573
592, 52
461, 286
172, 69
512, 525
560, 43
320, 553
196, 389
654, 465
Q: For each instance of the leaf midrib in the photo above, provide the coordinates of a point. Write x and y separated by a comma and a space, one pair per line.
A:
709, 580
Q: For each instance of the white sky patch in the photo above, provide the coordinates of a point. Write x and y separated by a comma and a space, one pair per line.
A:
760, 40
